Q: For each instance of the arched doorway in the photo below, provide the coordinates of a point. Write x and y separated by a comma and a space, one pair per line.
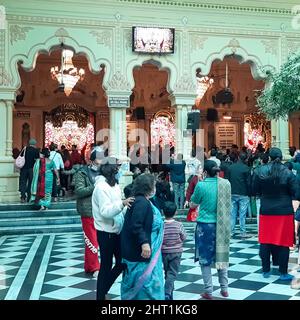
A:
42, 93
228, 105
149, 98
69, 124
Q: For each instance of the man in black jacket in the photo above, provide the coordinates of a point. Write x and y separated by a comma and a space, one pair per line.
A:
26, 173
239, 177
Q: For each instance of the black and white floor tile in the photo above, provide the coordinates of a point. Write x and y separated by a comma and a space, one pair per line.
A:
50, 267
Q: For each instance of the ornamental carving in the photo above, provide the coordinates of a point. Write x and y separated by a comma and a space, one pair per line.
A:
233, 45
128, 39
221, 7
68, 112
293, 47
119, 82
18, 33
2, 46
5, 78
103, 37
197, 42
185, 84
271, 46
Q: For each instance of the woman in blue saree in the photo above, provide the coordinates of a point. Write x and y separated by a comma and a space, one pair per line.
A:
141, 241
41, 187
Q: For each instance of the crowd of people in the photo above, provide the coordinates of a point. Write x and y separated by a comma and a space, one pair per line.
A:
139, 236
42, 184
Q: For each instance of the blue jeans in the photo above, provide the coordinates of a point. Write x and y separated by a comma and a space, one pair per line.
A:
239, 205
179, 194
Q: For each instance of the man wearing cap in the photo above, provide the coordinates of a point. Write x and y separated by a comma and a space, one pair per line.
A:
26, 173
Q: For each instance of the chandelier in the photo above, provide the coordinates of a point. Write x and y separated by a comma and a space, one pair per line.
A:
67, 75
203, 84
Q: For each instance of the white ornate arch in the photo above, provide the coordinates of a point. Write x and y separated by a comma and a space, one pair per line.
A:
29, 58
163, 64
259, 71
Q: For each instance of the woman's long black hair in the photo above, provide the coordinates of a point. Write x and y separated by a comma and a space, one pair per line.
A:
276, 168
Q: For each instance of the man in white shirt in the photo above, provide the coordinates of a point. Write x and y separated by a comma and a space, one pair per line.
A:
59, 165
193, 164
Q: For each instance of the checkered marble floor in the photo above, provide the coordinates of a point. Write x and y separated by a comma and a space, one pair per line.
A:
50, 267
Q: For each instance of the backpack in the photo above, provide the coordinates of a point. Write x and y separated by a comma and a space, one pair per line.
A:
20, 161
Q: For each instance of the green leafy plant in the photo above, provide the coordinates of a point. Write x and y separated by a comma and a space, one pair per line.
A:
283, 96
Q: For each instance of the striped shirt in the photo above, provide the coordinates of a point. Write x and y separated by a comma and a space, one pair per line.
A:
174, 235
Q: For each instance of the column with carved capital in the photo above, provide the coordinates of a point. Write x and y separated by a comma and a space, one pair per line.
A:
178, 127
118, 134
187, 136
117, 137
283, 126
8, 176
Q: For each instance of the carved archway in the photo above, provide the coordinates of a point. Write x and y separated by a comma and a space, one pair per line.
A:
258, 69
28, 60
69, 124
163, 65
68, 112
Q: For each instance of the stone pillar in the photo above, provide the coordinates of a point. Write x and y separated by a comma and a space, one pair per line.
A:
280, 136
283, 126
117, 137
187, 134
178, 127
184, 137
9, 127
118, 134
8, 177
274, 133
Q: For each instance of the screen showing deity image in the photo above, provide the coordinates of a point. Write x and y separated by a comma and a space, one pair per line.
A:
153, 40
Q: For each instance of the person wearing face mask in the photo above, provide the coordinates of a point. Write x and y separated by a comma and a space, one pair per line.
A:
141, 242
84, 180
108, 211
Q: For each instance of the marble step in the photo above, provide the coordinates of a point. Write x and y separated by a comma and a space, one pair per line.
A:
27, 207
40, 221
36, 213
74, 227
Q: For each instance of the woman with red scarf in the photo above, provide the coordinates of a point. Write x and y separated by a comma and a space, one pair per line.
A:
41, 188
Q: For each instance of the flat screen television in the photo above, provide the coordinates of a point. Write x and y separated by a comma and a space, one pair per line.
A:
153, 40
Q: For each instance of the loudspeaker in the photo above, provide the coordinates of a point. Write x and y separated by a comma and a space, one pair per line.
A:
139, 113
212, 114
193, 121
224, 96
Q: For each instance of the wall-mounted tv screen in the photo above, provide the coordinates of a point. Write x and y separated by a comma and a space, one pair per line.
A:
153, 40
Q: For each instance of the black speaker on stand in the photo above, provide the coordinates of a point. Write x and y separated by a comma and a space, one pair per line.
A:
193, 121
